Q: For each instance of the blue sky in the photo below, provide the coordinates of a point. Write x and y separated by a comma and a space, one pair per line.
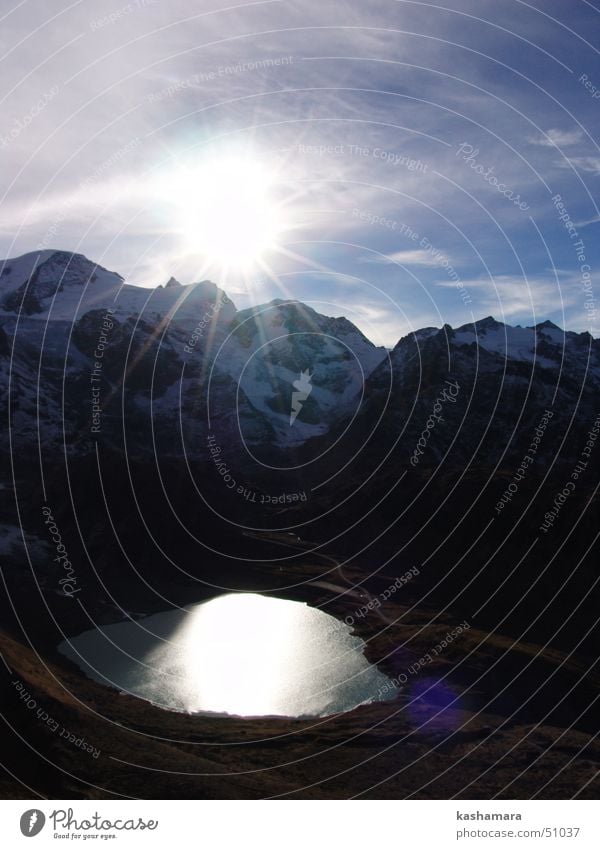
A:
414, 148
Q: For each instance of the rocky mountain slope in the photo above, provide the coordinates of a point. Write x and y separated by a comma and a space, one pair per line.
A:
96, 358
279, 417
86, 342
163, 446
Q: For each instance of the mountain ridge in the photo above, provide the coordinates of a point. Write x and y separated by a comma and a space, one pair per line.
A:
180, 361
29, 264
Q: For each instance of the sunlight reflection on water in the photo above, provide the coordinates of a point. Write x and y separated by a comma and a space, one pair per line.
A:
243, 654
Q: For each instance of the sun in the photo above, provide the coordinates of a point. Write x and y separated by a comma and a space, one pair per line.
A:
226, 210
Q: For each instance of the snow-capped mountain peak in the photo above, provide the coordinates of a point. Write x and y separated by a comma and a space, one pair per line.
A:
60, 285
181, 346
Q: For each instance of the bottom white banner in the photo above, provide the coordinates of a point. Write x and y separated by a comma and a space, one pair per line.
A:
300, 823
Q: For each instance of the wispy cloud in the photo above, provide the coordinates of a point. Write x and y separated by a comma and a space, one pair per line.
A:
588, 164
514, 295
588, 221
420, 257
557, 138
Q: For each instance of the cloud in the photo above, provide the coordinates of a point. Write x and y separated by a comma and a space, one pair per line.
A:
510, 296
587, 221
557, 138
589, 164
425, 258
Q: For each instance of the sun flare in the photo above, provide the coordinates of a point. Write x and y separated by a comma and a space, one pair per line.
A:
226, 211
